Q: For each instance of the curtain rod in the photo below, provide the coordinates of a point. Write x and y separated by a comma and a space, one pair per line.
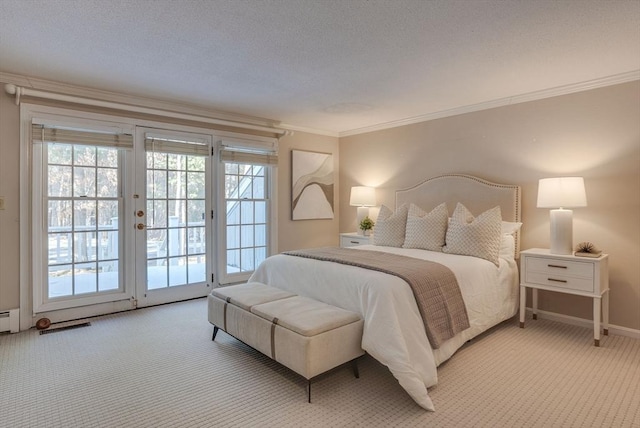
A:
19, 92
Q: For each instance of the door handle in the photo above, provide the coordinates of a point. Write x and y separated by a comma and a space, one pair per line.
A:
140, 213
140, 226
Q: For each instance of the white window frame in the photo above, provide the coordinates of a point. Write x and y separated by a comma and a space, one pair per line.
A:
33, 233
258, 144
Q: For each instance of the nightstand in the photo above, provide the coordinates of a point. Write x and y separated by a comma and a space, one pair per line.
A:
582, 276
354, 239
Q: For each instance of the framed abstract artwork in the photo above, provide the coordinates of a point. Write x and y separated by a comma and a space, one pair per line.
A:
311, 185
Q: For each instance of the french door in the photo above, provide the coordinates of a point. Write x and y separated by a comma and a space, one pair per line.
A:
118, 225
125, 215
173, 220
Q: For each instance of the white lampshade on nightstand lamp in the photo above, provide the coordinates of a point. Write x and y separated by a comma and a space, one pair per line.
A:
561, 193
362, 197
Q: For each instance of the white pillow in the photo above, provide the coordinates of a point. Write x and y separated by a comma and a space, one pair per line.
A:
510, 227
478, 237
426, 230
507, 247
390, 227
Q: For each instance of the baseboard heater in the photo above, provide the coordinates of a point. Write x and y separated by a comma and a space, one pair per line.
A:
10, 320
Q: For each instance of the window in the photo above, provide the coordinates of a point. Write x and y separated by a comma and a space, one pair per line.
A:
83, 206
77, 205
249, 168
246, 216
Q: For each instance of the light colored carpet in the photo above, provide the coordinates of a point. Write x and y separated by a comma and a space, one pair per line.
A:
157, 367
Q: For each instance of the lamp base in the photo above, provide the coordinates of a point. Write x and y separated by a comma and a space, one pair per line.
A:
561, 224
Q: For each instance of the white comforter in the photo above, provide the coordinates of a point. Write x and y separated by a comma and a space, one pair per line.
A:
394, 333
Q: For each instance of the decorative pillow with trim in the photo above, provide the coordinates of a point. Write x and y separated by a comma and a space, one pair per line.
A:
426, 230
475, 236
390, 227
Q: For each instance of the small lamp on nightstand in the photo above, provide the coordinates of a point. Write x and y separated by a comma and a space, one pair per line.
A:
561, 193
362, 197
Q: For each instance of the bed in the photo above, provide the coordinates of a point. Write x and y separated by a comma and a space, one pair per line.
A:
394, 332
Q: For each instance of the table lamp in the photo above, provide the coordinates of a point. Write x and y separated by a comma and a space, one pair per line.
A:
560, 193
362, 197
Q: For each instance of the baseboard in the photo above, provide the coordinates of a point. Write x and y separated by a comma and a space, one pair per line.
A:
10, 320
613, 329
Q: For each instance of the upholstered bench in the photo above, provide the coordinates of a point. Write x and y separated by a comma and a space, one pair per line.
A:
307, 336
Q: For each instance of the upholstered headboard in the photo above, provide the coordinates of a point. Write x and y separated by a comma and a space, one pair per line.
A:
476, 194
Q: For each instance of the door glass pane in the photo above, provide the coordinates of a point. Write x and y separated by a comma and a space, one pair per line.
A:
156, 274
177, 271
176, 241
195, 182
195, 212
197, 271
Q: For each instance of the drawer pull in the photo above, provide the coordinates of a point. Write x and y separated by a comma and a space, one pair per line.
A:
557, 280
354, 242
557, 266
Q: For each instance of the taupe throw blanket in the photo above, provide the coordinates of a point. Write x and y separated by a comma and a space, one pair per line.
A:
434, 286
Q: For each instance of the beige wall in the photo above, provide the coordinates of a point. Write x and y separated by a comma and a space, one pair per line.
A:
305, 233
10, 189
291, 234
594, 134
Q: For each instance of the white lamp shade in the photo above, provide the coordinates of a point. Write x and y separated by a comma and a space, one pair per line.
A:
561, 192
362, 196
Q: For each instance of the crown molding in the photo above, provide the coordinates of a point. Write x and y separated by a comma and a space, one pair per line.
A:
531, 96
132, 100
62, 88
309, 130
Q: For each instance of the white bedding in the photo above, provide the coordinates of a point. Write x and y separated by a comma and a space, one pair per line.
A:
393, 330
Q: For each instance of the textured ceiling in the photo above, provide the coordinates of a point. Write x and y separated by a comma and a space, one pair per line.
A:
331, 65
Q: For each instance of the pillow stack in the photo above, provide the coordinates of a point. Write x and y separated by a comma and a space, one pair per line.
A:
485, 236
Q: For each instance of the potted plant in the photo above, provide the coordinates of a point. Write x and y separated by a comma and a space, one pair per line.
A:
366, 225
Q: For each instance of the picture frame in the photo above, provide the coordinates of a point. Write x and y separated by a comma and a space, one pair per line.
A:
312, 185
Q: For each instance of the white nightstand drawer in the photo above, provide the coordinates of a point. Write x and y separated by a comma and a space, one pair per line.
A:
352, 240
560, 281
560, 267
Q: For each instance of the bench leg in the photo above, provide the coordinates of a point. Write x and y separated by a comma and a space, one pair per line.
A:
215, 331
309, 389
354, 364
